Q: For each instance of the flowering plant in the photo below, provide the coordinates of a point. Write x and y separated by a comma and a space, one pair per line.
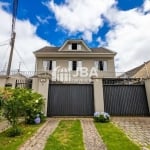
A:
101, 117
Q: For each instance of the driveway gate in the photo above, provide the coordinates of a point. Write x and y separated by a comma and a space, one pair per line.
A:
125, 97
70, 100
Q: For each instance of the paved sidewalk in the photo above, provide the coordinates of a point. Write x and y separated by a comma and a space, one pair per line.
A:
137, 128
92, 140
38, 141
4, 125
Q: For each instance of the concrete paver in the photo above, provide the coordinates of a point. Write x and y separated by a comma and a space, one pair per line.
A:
4, 125
136, 128
92, 139
38, 141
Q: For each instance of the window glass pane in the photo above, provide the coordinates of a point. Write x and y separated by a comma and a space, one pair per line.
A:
74, 46
50, 65
74, 65
101, 66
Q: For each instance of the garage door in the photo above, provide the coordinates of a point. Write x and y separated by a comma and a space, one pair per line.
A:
70, 100
125, 100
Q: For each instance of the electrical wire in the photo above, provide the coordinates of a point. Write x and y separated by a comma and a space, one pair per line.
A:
4, 44
21, 58
5, 57
8, 40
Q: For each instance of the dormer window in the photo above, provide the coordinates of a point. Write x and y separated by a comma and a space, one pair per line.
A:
74, 46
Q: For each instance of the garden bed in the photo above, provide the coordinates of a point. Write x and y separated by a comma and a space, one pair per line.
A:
67, 136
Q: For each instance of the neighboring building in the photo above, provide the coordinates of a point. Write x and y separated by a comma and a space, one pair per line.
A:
73, 57
13, 79
142, 71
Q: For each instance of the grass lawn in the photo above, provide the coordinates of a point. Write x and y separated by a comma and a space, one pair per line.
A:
67, 136
13, 143
114, 138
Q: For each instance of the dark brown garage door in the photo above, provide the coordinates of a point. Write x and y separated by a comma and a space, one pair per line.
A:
70, 100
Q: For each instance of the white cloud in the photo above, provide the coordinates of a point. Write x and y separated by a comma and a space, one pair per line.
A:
129, 37
43, 20
26, 42
87, 35
146, 5
81, 15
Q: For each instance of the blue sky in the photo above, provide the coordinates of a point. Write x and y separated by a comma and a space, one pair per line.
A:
115, 24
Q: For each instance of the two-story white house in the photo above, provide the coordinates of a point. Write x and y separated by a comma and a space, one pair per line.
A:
74, 61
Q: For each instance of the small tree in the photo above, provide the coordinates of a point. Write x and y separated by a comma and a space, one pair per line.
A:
21, 102
12, 109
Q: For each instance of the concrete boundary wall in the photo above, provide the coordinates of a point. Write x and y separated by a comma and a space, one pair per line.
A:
147, 86
41, 86
98, 95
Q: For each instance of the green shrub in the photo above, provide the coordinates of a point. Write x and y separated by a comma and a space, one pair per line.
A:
12, 107
12, 132
33, 105
101, 117
20, 102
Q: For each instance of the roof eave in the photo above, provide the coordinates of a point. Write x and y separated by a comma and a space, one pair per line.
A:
75, 55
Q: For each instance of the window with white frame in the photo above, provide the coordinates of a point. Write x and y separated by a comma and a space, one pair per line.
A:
74, 65
49, 64
101, 65
74, 46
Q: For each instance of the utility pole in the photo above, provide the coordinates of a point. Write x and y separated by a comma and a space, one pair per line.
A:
11, 53
13, 34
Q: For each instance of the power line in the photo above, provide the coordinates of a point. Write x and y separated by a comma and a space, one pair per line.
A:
8, 40
21, 58
4, 44
4, 56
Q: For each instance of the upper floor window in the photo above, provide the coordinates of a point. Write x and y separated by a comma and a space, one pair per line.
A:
73, 65
74, 46
101, 65
49, 64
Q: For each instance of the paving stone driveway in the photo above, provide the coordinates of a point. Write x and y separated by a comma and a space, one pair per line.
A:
91, 137
38, 141
4, 125
137, 128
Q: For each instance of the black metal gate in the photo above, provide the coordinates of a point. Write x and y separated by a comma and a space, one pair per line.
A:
70, 100
125, 99
24, 83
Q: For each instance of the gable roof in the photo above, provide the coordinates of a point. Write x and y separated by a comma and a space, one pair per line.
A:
49, 49
78, 41
133, 71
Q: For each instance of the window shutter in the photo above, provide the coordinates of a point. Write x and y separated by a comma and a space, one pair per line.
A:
70, 65
69, 47
79, 64
96, 65
105, 65
45, 65
78, 47
53, 65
